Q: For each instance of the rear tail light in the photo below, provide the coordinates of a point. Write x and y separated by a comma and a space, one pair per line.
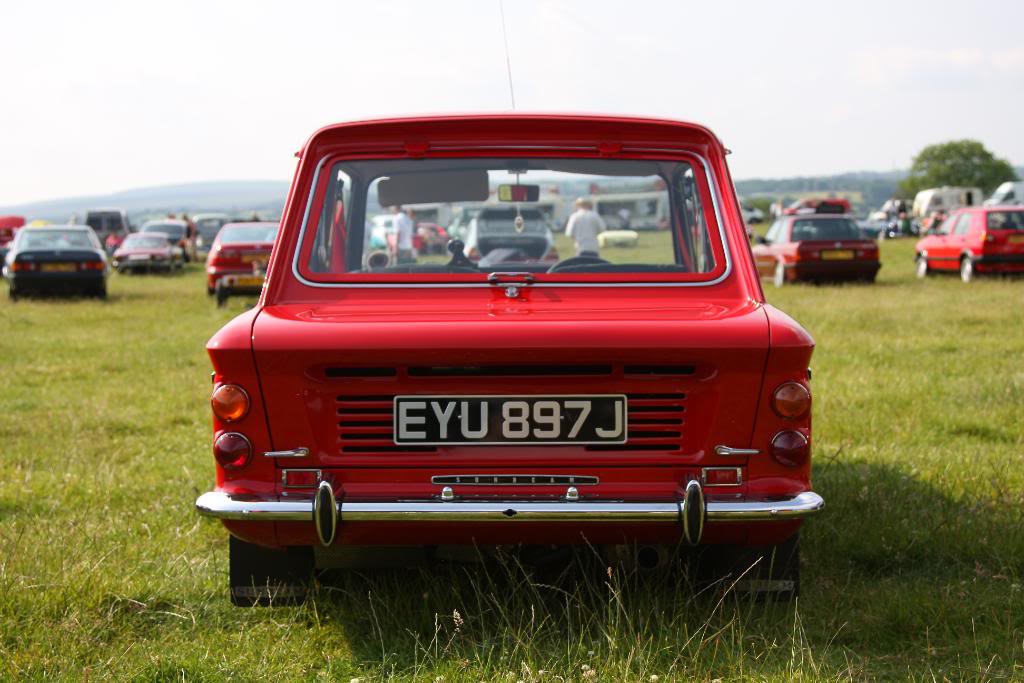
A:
721, 476
91, 265
229, 402
232, 450
22, 267
790, 448
791, 400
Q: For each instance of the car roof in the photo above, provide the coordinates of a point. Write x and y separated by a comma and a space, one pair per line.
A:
165, 221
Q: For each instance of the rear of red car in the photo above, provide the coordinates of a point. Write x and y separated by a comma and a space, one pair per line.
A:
998, 247
614, 398
830, 248
240, 249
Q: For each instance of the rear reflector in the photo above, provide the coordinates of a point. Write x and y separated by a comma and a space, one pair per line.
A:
721, 476
301, 479
790, 448
232, 450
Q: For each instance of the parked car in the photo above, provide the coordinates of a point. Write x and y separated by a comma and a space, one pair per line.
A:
64, 259
496, 228
176, 232
241, 251
430, 238
1009, 192
837, 205
818, 248
751, 214
207, 227
110, 225
975, 241
429, 404
9, 226
632, 210
147, 252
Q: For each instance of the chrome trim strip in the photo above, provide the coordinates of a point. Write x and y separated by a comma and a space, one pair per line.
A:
728, 450
293, 453
553, 479
713, 188
223, 506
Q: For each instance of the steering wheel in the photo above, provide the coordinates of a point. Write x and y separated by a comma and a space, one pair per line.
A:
578, 261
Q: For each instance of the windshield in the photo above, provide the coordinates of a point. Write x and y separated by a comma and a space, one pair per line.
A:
810, 229
247, 234
153, 241
42, 240
207, 228
174, 231
527, 215
1005, 220
104, 222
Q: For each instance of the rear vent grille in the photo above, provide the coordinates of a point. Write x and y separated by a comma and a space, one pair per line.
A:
361, 372
512, 371
655, 423
515, 479
671, 370
365, 426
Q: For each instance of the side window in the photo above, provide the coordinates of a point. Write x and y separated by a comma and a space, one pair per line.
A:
963, 224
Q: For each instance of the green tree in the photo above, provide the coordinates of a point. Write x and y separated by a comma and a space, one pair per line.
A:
964, 163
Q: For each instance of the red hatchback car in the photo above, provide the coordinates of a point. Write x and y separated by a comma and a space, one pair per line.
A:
975, 241
240, 249
816, 247
653, 402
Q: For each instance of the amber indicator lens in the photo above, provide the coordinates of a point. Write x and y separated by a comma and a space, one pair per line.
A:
791, 400
232, 450
790, 448
230, 402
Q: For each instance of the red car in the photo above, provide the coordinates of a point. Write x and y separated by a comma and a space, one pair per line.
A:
829, 205
650, 401
9, 226
147, 252
975, 241
240, 249
817, 248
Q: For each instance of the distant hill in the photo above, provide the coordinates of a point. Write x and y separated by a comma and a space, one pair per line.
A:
866, 188
229, 196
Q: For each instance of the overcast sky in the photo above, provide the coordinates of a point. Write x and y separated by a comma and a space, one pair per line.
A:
102, 96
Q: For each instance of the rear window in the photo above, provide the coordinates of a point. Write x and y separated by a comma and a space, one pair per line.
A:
44, 240
535, 215
1005, 220
248, 234
810, 229
155, 241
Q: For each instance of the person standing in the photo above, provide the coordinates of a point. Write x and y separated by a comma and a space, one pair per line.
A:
190, 237
584, 226
403, 228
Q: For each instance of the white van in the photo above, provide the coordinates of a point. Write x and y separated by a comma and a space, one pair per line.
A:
633, 210
945, 199
1008, 193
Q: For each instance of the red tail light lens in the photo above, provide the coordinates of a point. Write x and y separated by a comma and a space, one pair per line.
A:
791, 400
22, 267
232, 450
90, 265
229, 402
790, 448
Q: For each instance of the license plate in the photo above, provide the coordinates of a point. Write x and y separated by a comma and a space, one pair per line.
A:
510, 420
1015, 239
57, 267
247, 281
837, 255
138, 257
253, 258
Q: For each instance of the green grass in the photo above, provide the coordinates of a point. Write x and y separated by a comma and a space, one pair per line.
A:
915, 570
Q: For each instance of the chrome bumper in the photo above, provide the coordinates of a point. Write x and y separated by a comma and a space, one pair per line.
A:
691, 512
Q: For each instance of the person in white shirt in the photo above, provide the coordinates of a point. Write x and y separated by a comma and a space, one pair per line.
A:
584, 226
403, 228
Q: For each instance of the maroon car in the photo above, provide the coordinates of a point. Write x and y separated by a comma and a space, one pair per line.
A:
147, 252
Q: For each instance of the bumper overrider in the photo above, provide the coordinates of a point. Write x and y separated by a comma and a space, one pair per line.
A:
691, 512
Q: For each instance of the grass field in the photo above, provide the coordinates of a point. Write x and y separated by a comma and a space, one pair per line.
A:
915, 571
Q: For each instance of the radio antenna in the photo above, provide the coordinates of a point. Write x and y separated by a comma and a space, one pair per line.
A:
508, 59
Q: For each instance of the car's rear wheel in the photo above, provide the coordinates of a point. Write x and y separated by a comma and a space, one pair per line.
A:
771, 571
967, 269
921, 269
779, 278
265, 576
